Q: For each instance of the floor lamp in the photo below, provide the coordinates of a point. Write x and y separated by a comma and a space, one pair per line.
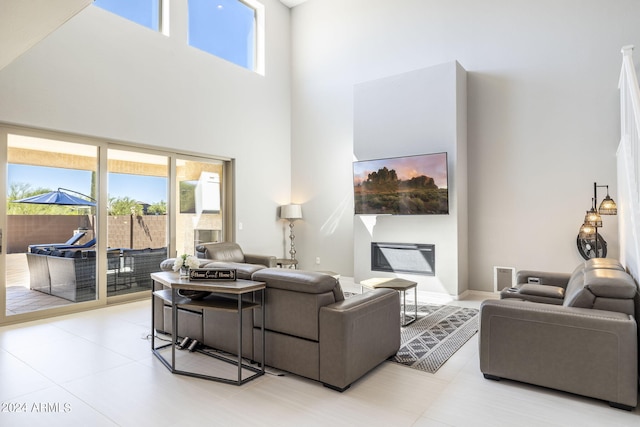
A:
291, 213
593, 221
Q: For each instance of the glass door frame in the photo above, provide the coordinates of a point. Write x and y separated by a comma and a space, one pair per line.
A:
5, 131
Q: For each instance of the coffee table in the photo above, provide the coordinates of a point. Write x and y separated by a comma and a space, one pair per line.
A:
400, 285
172, 282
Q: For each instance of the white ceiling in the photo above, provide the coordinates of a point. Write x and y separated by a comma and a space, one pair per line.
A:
24, 23
292, 3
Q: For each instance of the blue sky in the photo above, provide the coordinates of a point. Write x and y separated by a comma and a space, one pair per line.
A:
144, 12
224, 28
141, 188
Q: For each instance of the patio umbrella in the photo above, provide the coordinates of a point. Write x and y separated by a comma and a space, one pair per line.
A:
58, 197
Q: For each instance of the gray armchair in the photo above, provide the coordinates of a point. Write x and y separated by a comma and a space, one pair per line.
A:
583, 341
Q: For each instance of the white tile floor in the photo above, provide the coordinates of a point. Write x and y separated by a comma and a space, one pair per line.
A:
96, 368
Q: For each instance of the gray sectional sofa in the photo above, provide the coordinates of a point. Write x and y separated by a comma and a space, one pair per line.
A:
573, 332
311, 330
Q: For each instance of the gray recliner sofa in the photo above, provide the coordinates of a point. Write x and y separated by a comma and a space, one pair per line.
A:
573, 332
311, 330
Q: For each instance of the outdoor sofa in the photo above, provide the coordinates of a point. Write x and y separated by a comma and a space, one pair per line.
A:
71, 273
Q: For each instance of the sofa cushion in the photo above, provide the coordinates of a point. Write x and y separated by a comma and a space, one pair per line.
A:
225, 251
311, 282
602, 289
608, 263
542, 290
610, 284
167, 264
293, 313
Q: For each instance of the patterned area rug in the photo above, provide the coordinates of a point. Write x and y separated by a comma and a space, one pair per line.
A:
439, 332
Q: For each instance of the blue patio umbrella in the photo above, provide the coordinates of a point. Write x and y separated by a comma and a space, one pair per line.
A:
58, 197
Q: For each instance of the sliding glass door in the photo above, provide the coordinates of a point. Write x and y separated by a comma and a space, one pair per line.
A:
86, 221
137, 219
50, 234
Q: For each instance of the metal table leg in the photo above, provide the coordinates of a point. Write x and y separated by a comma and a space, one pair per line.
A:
239, 339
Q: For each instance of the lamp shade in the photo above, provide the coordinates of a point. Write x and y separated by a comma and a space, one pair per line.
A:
587, 232
608, 207
593, 218
291, 212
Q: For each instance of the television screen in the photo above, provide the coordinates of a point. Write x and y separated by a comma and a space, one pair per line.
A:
412, 185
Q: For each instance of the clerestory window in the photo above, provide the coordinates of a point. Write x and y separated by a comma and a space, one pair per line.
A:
143, 12
226, 29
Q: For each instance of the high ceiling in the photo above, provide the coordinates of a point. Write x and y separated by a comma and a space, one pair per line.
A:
292, 3
25, 23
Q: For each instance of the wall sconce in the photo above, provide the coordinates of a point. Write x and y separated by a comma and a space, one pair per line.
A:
291, 213
590, 243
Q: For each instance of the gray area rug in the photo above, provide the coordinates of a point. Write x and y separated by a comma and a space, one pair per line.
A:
439, 332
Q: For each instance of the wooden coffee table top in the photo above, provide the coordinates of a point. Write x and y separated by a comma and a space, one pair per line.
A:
389, 283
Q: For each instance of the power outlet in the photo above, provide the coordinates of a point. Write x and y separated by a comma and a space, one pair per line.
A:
317, 260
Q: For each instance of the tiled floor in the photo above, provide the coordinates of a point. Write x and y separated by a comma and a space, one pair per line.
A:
96, 368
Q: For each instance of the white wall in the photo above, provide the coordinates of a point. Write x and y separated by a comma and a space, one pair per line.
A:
101, 75
413, 113
542, 116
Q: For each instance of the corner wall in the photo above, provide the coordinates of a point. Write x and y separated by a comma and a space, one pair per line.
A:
419, 112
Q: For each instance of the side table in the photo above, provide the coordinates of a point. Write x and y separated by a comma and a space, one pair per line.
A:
400, 285
172, 282
289, 263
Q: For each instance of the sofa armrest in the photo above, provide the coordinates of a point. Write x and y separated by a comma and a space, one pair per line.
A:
267, 260
583, 351
543, 278
358, 334
201, 251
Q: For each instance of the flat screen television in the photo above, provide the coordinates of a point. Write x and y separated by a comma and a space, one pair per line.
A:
411, 185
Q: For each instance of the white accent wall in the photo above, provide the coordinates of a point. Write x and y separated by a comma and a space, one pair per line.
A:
418, 112
543, 116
